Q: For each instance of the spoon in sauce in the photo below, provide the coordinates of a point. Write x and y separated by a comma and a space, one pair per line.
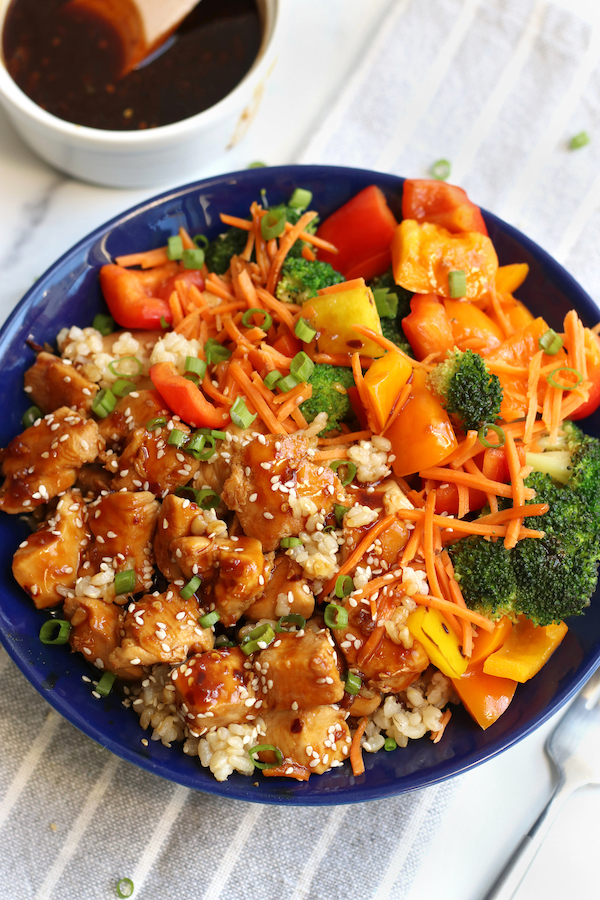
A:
143, 25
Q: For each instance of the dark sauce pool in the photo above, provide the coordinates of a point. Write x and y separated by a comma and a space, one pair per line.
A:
69, 63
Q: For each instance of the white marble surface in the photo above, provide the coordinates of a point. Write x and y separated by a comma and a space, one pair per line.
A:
44, 213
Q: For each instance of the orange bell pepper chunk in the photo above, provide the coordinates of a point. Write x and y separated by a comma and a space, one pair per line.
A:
472, 329
427, 327
424, 254
528, 648
185, 399
485, 697
383, 382
487, 642
509, 278
421, 435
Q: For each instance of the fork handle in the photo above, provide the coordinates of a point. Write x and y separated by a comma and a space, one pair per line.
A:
517, 866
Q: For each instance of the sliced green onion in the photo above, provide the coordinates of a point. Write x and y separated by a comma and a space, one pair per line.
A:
31, 415
550, 342
344, 585
175, 247
273, 224
353, 683
267, 319
195, 365
258, 639
187, 493
177, 438
132, 367
209, 619
302, 367
191, 587
482, 433
340, 511
457, 283
122, 387
257, 165
300, 199
104, 403
288, 542
240, 414
50, 635
259, 749
125, 888
441, 169
579, 140
335, 616
105, 685
287, 383
191, 376
272, 378
207, 498
219, 435
164, 323
292, 619
104, 323
201, 446
215, 352
158, 422
389, 744
564, 387
304, 331
386, 303
125, 581
222, 641
350, 470
193, 258
201, 241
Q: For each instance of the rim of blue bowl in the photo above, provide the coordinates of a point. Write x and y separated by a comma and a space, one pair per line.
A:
273, 791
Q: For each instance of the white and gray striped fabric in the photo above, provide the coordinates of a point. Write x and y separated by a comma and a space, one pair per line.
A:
497, 87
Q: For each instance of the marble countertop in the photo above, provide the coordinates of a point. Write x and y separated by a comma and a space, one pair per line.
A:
45, 212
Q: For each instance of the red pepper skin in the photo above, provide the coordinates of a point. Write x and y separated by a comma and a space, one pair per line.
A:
442, 204
134, 297
185, 399
362, 230
593, 375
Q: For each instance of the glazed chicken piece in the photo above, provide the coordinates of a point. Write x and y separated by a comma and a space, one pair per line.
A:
92, 479
299, 670
44, 460
149, 463
310, 740
234, 571
386, 549
269, 474
95, 631
50, 557
132, 411
161, 628
122, 525
52, 382
391, 668
176, 519
214, 689
286, 592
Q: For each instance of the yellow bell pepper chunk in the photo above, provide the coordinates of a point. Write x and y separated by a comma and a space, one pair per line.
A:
441, 643
334, 312
484, 697
509, 278
424, 254
528, 648
383, 382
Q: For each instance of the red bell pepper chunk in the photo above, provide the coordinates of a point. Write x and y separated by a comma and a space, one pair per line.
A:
185, 398
362, 230
441, 204
428, 327
593, 375
134, 297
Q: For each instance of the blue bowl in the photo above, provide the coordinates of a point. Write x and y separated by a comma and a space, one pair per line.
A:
69, 294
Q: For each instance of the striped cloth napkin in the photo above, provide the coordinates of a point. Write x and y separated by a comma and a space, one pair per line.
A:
497, 87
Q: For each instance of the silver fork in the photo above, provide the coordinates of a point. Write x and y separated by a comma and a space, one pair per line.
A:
574, 748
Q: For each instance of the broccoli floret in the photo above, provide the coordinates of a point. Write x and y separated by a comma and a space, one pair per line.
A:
393, 332
393, 306
574, 458
549, 578
466, 389
329, 384
219, 252
302, 278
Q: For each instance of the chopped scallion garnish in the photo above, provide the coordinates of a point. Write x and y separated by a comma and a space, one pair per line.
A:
240, 414
31, 415
122, 387
50, 635
104, 403
164, 323
482, 435
215, 352
353, 683
125, 581
550, 342
207, 498
209, 619
193, 258
201, 241
301, 366
258, 639
291, 619
177, 438
125, 888
175, 247
104, 323
195, 365
260, 748
335, 616
350, 470
126, 367
158, 422
272, 223
389, 744
304, 331
267, 319
340, 511
286, 384
105, 685
441, 169
272, 378
288, 542
344, 585
457, 283
564, 387
300, 199
579, 140
223, 641
190, 588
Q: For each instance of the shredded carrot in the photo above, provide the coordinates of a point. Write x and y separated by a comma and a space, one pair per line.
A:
532, 393
413, 544
436, 736
248, 289
293, 399
261, 407
461, 526
457, 597
446, 606
362, 391
285, 246
356, 759
186, 240
219, 289
308, 254
340, 359
463, 497
389, 345
428, 548
575, 340
397, 408
349, 438
343, 286
501, 316
437, 473
297, 416
505, 515
383, 611
176, 310
518, 490
466, 449
447, 595
245, 225
147, 260
359, 551
281, 310
188, 324
331, 453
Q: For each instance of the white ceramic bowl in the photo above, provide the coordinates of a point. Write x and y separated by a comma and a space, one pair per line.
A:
142, 158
